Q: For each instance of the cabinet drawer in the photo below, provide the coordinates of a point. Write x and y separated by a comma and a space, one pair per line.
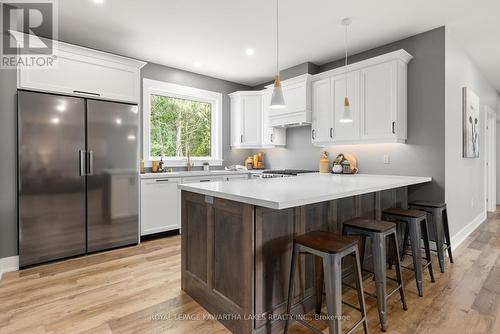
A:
197, 179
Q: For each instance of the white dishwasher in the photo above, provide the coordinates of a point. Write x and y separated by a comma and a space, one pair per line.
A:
160, 205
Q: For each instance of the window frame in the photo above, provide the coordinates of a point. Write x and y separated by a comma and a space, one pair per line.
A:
161, 88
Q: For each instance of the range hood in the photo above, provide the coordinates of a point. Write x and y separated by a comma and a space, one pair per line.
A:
297, 111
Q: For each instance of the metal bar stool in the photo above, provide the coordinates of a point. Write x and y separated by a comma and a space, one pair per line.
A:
440, 225
331, 248
377, 231
416, 229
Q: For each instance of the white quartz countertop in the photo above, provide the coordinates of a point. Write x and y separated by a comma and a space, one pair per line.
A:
288, 192
193, 173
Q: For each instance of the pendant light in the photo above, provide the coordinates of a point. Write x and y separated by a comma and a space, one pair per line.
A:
346, 114
277, 100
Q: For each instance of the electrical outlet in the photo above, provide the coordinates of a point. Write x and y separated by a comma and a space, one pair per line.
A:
387, 159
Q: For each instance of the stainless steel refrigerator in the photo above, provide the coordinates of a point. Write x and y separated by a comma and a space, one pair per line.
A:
77, 176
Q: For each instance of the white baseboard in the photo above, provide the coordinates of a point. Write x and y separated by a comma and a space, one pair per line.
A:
8, 264
459, 237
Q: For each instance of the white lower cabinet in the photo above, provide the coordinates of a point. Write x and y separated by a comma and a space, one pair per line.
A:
161, 200
160, 205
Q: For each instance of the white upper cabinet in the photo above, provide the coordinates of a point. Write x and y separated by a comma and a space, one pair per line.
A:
250, 124
328, 105
378, 101
377, 91
322, 117
344, 132
86, 72
297, 95
271, 136
246, 119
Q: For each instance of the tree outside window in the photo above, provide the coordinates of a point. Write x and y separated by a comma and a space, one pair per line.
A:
180, 127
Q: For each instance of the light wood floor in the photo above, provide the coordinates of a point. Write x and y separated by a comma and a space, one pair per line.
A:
137, 290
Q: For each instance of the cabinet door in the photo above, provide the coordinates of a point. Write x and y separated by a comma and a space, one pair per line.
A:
322, 124
270, 136
378, 101
160, 205
346, 131
236, 123
251, 114
86, 72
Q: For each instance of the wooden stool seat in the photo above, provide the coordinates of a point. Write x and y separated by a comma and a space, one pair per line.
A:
428, 204
327, 242
370, 224
405, 212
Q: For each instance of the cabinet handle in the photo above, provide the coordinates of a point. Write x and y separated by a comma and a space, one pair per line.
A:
82, 162
394, 128
204, 180
91, 163
241, 139
85, 93
271, 137
161, 180
331, 132
313, 133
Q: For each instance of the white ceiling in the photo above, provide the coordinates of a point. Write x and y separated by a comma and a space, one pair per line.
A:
216, 33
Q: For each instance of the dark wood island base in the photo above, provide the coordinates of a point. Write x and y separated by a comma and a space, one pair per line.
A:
236, 256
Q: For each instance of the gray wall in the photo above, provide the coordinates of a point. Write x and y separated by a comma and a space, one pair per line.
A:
465, 178
424, 152
292, 72
180, 77
8, 152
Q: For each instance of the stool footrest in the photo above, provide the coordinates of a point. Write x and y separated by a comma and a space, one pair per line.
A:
412, 269
353, 328
369, 294
311, 327
351, 306
388, 277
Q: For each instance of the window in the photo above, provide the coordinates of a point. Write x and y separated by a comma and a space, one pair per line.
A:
181, 121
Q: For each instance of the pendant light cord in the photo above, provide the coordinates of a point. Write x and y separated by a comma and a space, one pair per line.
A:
277, 39
345, 67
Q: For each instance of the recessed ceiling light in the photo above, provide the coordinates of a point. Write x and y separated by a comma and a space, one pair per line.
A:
118, 121
55, 120
197, 64
98, 1
61, 107
131, 137
250, 52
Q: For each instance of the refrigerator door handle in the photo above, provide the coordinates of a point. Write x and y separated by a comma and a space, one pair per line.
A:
82, 162
91, 163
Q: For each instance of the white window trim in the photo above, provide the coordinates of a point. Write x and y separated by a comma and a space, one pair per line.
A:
184, 92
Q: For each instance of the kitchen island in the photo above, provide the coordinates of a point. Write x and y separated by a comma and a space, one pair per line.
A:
237, 239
